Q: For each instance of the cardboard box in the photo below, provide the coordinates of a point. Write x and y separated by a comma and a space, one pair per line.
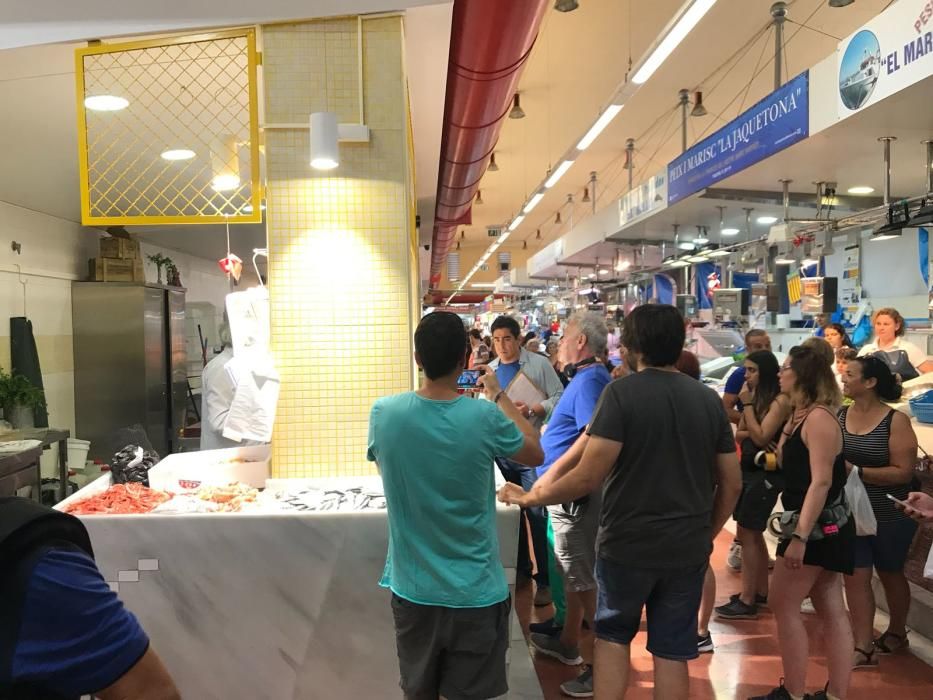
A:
113, 270
119, 248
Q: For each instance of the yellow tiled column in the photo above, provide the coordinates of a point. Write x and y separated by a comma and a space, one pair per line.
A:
341, 243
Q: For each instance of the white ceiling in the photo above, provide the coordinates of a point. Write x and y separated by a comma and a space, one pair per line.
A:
55, 21
581, 57
38, 135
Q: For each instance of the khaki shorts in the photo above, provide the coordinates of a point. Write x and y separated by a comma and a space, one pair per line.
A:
575, 542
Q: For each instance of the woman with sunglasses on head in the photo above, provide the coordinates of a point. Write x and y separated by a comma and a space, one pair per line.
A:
765, 410
880, 443
818, 544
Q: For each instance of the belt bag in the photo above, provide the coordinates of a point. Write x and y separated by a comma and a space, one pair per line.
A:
830, 521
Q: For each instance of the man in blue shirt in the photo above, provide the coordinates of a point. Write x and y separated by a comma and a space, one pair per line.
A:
512, 358
435, 450
575, 524
63, 631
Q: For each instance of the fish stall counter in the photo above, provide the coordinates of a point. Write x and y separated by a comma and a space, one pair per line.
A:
258, 593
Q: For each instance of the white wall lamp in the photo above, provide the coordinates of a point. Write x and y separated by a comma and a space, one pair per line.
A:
225, 163
326, 134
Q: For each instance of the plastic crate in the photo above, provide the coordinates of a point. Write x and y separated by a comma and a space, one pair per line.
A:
922, 407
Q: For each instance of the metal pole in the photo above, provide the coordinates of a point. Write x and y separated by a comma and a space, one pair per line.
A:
779, 13
929, 171
684, 102
748, 220
630, 151
593, 186
886, 140
785, 188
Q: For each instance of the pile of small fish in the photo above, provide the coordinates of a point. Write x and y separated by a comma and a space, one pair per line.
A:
332, 500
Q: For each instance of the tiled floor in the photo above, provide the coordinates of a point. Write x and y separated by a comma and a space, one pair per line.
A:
746, 660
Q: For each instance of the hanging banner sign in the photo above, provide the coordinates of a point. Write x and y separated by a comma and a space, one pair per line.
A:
779, 120
646, 198
890, 53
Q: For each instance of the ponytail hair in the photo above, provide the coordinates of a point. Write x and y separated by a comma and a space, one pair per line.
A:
886, 386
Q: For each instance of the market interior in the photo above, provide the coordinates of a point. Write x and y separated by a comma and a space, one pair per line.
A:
225, 225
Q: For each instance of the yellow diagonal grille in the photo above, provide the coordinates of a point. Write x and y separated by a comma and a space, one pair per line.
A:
195, 94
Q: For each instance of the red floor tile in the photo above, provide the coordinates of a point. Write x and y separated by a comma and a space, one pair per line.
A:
746, 660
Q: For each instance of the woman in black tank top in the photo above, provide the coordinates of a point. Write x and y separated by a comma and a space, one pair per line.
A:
880, 443
810, 453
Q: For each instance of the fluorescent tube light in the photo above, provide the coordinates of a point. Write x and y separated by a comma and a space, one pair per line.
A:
533, 202
516, 222
558, 174
601, 123
688, 20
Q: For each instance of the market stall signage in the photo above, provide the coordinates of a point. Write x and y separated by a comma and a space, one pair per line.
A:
779, 120
890, 53
647, 198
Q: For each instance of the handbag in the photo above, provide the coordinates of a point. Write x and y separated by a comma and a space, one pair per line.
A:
830, 521
864, 515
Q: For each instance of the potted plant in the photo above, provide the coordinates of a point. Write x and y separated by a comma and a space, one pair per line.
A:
160, 261
19, 399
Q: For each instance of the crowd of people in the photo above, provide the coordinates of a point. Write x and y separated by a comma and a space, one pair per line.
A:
623, 486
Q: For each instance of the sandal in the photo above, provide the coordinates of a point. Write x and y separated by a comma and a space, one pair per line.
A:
884, 646
864, 659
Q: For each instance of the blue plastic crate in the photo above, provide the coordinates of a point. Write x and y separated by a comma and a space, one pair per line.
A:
922, 407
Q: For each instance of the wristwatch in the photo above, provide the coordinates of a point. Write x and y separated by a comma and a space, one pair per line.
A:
499, 396
797, 536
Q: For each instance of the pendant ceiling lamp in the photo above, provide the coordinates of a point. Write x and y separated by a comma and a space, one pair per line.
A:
516, 112
325, 154
840, 3
566, 5
479, 197
557, 219
493, 167
924, 217
698, 109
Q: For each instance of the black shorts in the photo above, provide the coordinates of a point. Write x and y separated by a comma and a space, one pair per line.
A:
671, 596
836, 553
458, 653
760, 490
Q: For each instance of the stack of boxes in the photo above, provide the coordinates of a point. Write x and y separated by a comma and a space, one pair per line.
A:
119, 261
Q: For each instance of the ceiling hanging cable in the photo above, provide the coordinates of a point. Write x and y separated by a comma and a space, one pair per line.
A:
755, 73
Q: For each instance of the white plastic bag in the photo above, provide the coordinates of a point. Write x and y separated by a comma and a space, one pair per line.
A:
928, 569
857, 496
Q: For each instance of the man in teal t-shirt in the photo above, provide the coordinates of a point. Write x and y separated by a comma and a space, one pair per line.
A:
435, 450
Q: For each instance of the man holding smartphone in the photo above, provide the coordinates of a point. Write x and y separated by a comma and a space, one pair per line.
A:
435, 449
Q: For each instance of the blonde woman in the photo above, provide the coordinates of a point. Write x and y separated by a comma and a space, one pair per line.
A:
902, 357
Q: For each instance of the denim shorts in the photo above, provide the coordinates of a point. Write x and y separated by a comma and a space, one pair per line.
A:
886, 551
671, 597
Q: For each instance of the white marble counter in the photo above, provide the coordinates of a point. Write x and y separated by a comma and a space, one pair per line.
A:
278, 606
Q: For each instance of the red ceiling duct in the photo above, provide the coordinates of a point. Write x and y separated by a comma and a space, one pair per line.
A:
490, 42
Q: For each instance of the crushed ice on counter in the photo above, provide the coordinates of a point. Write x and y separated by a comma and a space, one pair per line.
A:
311, 499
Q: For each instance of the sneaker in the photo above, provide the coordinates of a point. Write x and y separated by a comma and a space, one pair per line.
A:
760, 600
734, 560
581, 686
737, 610
705, 644
552, 646
548, 627
543, 596
779, 693
819, 695
806, 607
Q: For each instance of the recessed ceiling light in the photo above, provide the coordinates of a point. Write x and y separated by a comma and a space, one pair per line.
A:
178, 154
248, 209
225, 183
730, 232
106, 103
766, 220
861, 189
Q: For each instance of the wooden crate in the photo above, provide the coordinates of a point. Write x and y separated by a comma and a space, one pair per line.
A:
114, 270
119, 248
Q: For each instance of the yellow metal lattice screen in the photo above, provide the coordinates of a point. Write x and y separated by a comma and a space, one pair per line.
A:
168, 131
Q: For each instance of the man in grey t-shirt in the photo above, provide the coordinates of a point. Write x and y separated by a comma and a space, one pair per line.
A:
662, 445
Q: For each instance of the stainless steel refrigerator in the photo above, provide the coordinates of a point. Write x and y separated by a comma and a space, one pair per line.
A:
130, 364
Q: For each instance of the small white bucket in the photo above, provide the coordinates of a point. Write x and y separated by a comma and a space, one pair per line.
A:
77, 453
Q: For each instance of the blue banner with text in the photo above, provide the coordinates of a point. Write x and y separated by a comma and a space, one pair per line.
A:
776, 122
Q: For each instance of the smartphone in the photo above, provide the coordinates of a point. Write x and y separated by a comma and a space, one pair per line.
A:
898, 501
468, 379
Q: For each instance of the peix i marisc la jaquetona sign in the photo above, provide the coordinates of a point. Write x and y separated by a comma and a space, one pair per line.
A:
776, 122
